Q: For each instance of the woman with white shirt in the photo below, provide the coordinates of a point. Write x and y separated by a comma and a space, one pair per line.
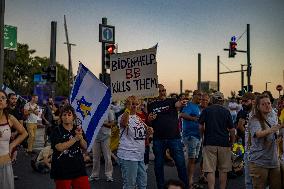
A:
7, 122
131, 148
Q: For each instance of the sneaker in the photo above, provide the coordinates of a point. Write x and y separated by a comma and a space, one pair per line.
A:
93, 178
109, 179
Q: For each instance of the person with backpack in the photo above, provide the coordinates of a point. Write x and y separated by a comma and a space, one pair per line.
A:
67, 142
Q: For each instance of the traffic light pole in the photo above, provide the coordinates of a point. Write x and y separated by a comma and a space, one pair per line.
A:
218, 73
104, 22
2, 11
53, 52
248, 55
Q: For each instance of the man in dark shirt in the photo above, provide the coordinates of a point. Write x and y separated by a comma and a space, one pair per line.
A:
216, 125
163, 117
16, 112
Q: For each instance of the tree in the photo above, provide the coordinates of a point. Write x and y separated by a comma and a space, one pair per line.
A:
20, 67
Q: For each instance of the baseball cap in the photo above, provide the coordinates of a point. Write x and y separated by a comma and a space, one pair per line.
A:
218, 95
248, 96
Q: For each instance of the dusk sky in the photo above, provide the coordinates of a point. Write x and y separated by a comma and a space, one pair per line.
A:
182, 28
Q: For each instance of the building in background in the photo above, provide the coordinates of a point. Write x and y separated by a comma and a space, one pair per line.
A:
208, 86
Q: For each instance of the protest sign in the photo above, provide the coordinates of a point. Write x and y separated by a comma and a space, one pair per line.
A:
134, 73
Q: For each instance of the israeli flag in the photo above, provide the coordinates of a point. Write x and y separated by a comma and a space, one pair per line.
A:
91, 100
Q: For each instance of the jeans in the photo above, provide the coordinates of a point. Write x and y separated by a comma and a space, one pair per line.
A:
133, 174
248, 180
176, 149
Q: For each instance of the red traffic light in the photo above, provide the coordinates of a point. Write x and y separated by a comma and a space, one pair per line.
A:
110, 48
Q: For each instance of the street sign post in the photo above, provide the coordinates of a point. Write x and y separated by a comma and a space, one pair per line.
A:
107, 34
10, 37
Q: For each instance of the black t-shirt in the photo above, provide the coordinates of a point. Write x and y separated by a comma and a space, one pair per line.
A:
16, 112
68, 164
47, 113
217, 120
242, 114
166, 123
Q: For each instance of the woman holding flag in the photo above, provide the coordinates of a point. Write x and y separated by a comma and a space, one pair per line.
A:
131, 148
68, 141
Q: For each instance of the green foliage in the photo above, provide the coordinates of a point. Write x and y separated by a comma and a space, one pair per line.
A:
20, 67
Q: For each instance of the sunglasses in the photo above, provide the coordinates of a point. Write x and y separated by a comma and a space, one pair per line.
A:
164, 90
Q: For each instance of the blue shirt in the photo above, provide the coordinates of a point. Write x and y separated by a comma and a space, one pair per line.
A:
191, 128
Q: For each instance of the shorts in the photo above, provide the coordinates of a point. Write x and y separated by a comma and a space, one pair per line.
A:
217, 157
193, 146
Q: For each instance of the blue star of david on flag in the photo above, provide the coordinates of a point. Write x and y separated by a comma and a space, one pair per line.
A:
91, 100
84, 107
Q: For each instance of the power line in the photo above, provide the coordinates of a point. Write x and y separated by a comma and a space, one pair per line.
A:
241, 35
225, 66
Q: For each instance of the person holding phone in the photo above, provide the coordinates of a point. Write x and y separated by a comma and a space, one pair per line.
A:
131, 149
163, 117
67, 141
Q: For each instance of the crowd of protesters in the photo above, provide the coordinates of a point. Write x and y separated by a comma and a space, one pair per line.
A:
202, 129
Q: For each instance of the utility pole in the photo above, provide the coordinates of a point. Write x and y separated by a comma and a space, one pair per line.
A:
2, 11
180, 84
242, 78
218, 73
199, 72
248, 56
70, 70
53, 52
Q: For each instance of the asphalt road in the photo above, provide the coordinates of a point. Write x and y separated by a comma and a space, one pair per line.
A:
28, 179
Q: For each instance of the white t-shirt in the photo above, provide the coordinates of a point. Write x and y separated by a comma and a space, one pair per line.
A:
104, 132
32, 118
132, 140
231, 106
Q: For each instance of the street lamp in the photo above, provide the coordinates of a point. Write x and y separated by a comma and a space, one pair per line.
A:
266, 85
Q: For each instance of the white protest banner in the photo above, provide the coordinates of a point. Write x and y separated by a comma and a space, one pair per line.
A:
134, 73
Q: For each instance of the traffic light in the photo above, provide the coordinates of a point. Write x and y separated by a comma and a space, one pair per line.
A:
248, 88
240, 93
109, 50
50, 73
105, 78
232, 49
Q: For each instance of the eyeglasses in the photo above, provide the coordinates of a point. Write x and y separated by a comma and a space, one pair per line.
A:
3, 98
164, 90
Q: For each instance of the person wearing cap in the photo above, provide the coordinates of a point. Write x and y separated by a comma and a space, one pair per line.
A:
248, 100
218, 132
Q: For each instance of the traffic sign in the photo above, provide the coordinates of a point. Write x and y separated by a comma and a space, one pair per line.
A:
10, 37
107, 34
279, 88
